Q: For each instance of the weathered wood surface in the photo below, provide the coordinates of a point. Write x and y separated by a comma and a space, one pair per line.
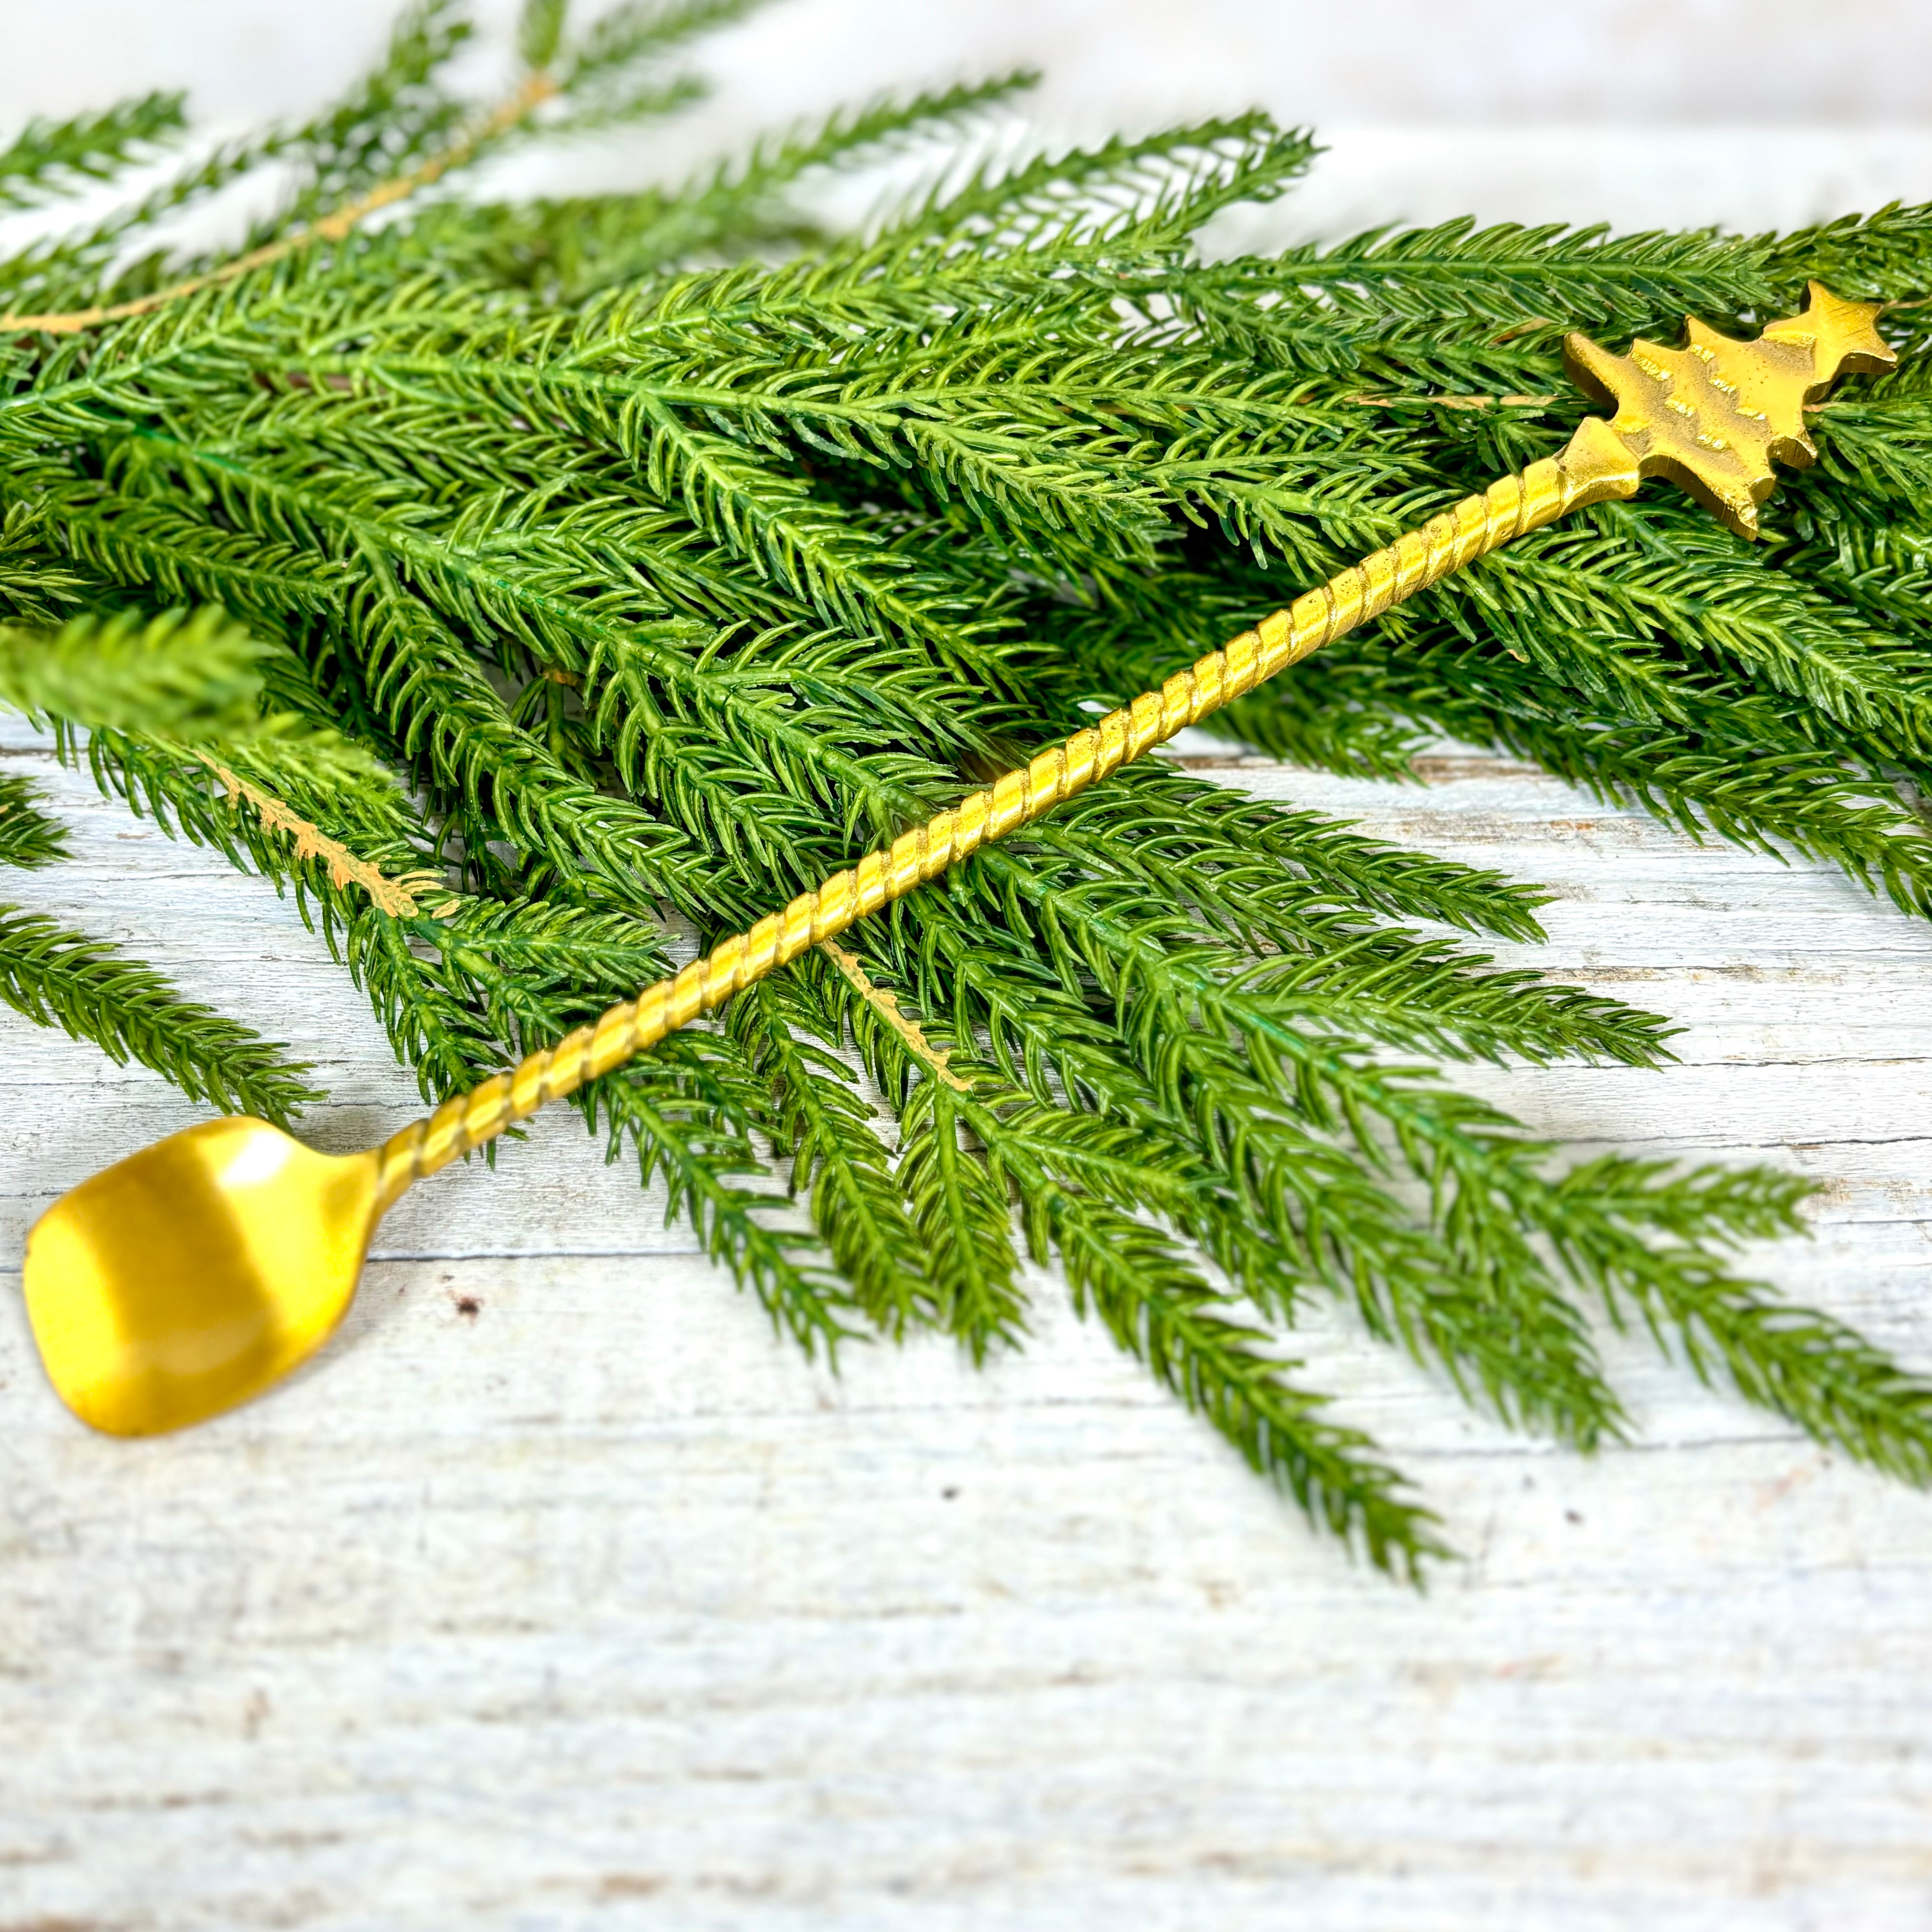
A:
597, 1606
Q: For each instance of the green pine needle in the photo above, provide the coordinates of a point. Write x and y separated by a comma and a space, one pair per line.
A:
27, 837
48, 159
93, 992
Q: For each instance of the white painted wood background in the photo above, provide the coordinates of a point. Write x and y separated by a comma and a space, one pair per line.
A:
596, 1607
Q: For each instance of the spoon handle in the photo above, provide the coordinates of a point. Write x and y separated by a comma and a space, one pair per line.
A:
1596, 466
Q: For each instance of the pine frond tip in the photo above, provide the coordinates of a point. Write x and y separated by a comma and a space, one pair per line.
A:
96, 993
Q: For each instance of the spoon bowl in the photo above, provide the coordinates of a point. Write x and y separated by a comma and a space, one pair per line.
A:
195, 1273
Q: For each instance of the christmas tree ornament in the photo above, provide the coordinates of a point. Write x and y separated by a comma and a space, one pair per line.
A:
193, 1276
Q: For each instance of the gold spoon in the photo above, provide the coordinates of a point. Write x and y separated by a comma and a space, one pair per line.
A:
192, 1276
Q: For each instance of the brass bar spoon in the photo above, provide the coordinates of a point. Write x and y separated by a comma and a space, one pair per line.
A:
193, 1276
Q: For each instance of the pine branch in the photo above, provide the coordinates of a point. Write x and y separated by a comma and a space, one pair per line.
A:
393, 117
186, 676
1458, 273
575, 249
960, 1207
1749, 768
93, 992
1273, 1204
825, 1129
687, 1109
47, 159
27, 837
1160, 1310
636, 31
1833, 1383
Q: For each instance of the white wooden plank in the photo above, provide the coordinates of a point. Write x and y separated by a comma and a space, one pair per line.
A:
596, 1605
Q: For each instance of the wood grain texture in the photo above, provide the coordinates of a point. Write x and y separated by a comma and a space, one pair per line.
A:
558, 1593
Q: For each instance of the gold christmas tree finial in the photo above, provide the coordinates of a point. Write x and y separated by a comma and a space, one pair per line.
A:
1714, 416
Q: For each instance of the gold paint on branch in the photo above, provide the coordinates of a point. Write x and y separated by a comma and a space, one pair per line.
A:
1422, 400
397, 897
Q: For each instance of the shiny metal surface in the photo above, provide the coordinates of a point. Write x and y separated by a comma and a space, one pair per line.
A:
1715, 415
194, 1274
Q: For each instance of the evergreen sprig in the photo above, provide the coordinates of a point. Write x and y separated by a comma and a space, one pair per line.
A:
63, 978
176, 675
593, 572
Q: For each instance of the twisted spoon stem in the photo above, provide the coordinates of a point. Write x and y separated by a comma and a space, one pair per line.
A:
1595, 466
